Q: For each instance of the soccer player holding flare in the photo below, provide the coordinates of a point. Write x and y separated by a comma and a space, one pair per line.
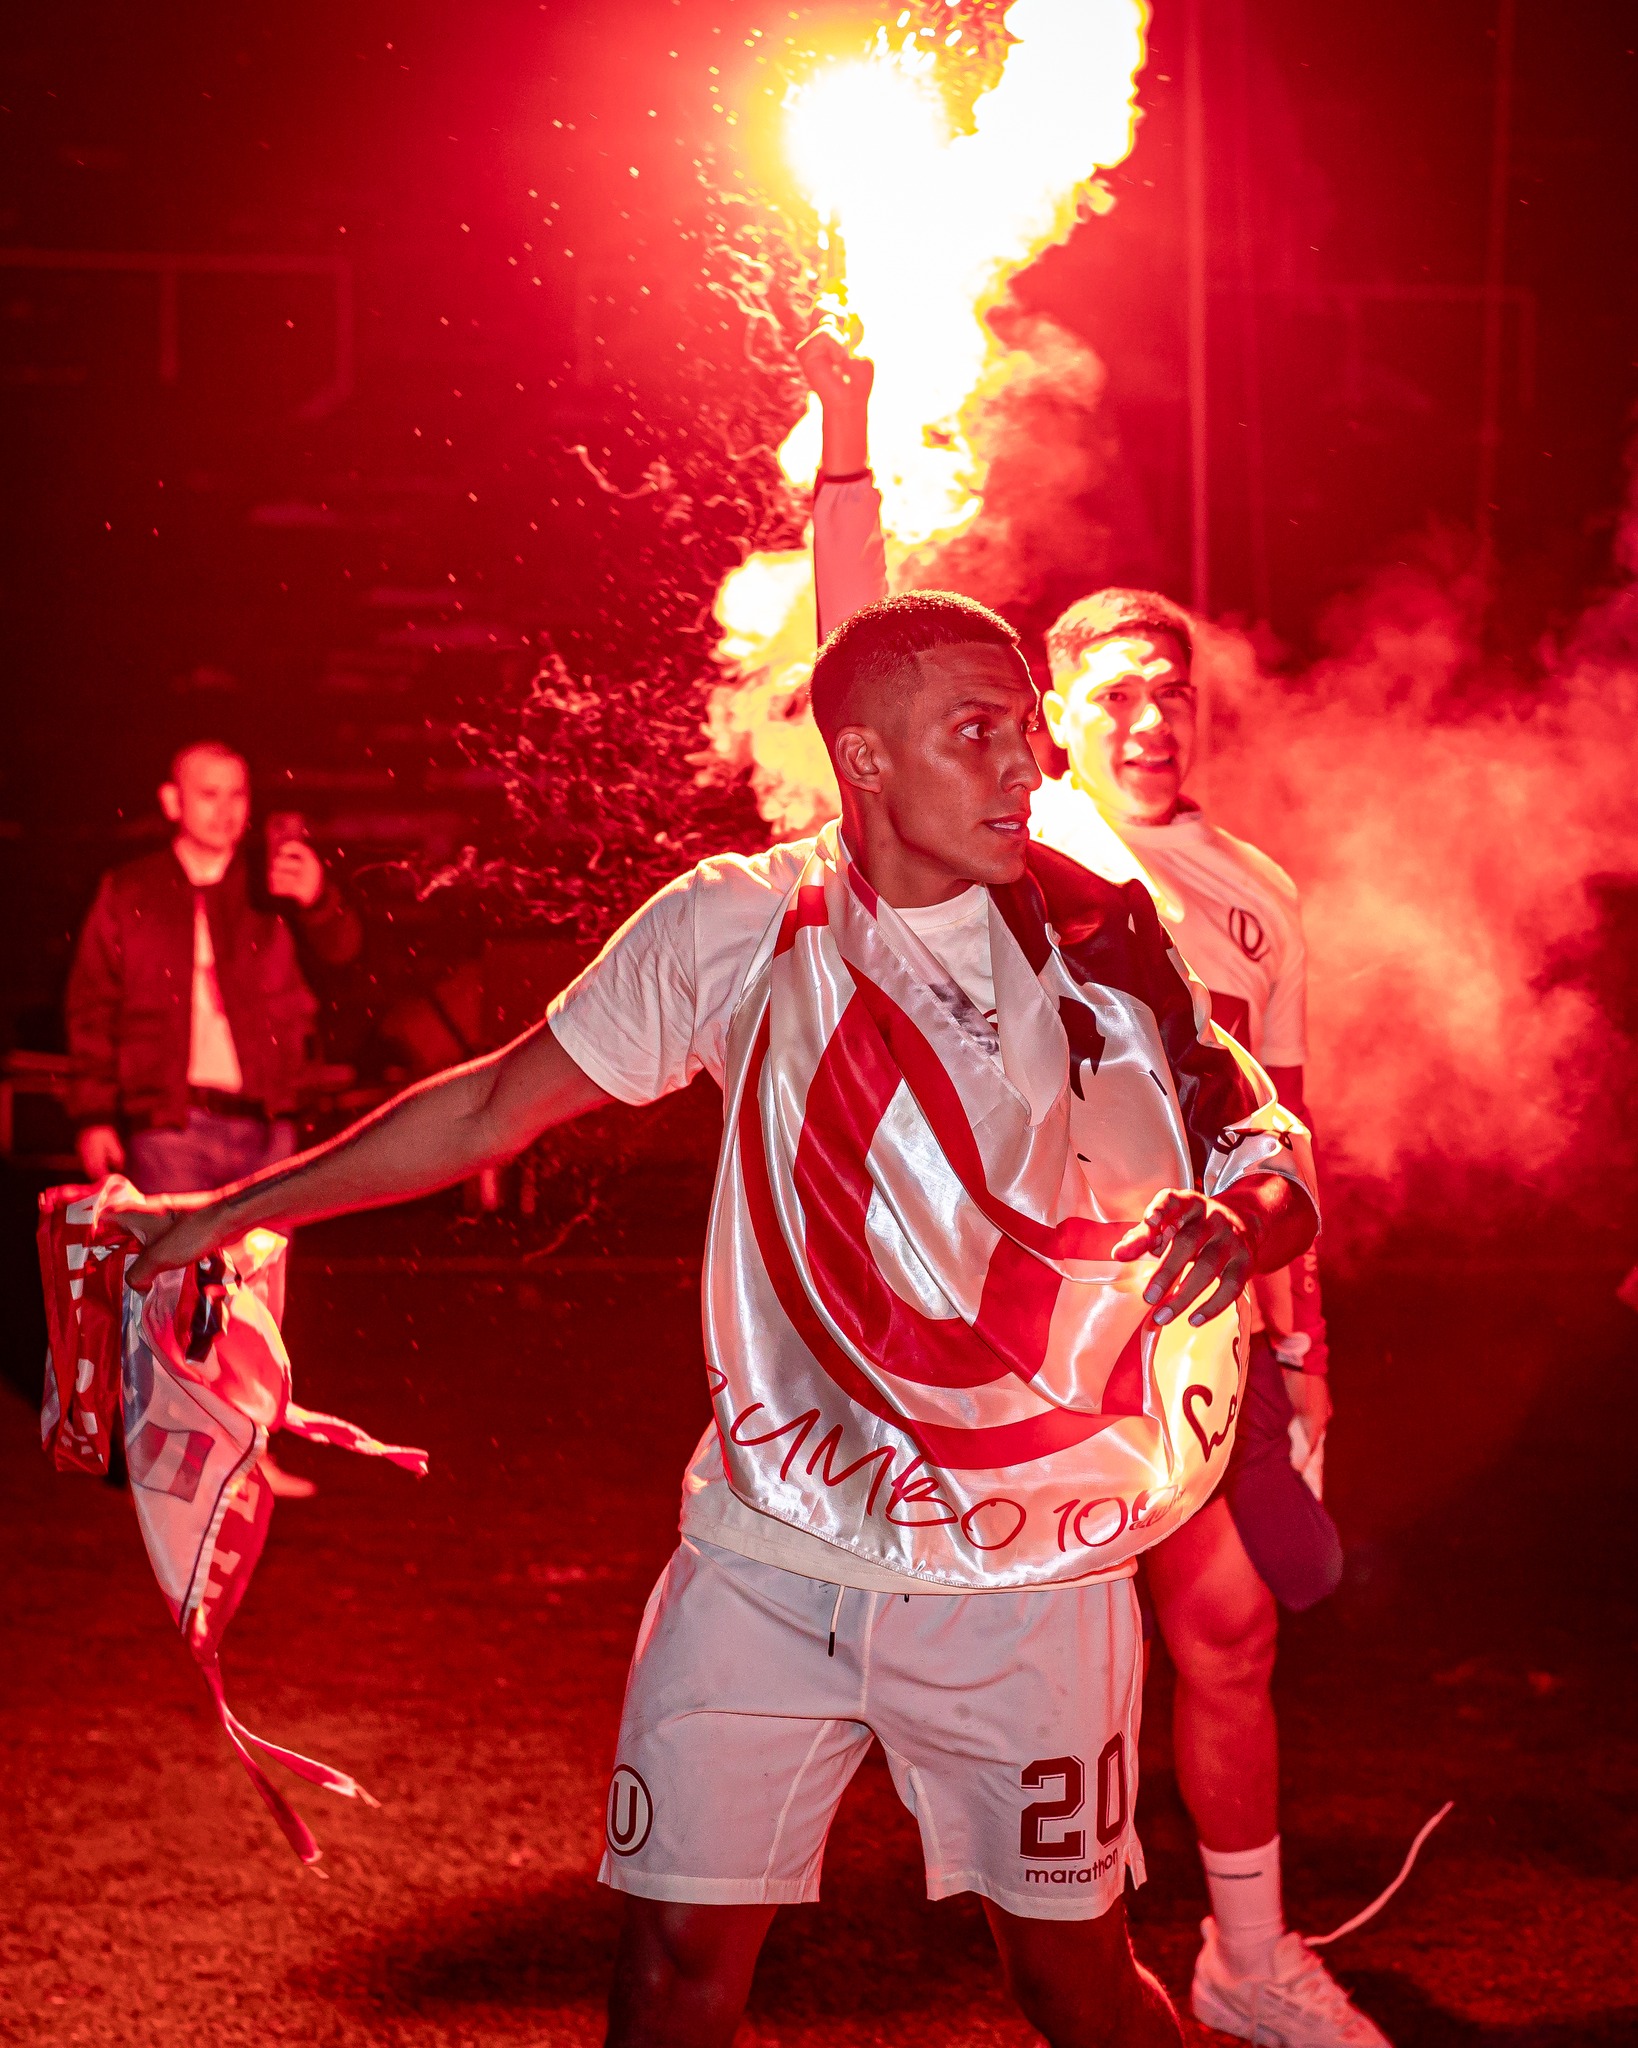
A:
955, 1392
1122, 707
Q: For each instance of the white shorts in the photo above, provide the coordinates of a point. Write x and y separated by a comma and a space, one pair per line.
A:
1010, 1723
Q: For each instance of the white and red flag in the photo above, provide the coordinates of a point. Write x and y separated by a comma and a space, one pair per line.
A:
197, 1373
921, 1348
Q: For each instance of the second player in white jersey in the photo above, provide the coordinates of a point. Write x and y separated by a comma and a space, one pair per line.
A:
1234, 913
1122, 707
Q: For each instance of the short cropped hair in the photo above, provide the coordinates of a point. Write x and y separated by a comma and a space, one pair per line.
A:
880, 639
1108, 614
215, 750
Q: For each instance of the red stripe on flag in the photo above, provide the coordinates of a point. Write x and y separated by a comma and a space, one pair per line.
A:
776, 1256
1123, 1394
806, 908
1077, 1237
847, 1099
952, 1449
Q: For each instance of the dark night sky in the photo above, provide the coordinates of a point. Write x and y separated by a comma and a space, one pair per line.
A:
409, 139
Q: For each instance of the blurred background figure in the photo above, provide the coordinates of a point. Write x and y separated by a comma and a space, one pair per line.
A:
188, 1015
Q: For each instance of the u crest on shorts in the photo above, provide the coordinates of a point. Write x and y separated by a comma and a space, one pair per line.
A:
1009, 1723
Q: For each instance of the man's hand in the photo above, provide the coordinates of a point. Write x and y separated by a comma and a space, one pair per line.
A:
1203, 1240
100, 1150
843, 383
840, 377
296, 870
174, 1232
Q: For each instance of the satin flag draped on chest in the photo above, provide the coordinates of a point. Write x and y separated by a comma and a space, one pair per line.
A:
920, 1346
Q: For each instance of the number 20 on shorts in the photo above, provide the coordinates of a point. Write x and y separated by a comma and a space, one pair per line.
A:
1041, 1833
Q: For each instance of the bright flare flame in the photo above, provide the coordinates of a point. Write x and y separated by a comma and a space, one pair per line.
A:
933, 223
855, 131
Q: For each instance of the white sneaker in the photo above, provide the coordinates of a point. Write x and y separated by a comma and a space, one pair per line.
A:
1300, 2006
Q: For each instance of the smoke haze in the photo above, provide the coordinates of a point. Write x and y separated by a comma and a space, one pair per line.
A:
1454, 832
1462, 831
1060, 504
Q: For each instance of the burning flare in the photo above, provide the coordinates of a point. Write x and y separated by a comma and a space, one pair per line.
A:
934, 222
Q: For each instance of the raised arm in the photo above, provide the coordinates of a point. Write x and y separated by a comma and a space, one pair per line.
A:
849, 561
431, 1136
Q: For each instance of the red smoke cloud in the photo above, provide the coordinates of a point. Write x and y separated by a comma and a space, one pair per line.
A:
1445, 822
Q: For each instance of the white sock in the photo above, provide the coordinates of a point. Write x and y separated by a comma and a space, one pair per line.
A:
1245, 1902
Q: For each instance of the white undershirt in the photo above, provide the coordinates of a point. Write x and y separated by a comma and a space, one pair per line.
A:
213, 1059
957, 933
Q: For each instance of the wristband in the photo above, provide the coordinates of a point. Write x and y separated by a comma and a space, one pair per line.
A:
854, 476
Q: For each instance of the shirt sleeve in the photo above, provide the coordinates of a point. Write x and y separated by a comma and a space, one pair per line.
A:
330, 927
849, 558
654, 1008
93, 1009
631, 1019
1285, 1019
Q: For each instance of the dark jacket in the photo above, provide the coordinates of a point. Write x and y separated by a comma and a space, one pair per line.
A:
130, 990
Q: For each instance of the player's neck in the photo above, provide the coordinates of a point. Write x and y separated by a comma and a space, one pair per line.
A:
901, 875
1120, 818
203, 865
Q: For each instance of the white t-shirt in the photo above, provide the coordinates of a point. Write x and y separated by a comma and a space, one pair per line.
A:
213, 1059
654, 1008
1234, 913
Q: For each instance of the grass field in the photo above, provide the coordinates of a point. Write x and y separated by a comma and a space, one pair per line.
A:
460, 1643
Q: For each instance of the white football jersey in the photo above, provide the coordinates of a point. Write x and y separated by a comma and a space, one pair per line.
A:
1233, 913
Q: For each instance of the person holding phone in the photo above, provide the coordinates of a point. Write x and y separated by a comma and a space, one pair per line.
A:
188, 1013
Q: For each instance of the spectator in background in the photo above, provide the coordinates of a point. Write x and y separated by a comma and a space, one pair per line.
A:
188, 1014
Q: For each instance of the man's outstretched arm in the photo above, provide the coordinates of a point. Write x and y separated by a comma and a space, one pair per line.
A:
431, 1136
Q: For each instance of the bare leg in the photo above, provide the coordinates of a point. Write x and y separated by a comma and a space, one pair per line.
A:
1221, 1627
682, 1973
1079, 1983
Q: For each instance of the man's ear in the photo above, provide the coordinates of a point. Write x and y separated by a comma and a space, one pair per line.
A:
857, 758
170, 802
1054, 709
